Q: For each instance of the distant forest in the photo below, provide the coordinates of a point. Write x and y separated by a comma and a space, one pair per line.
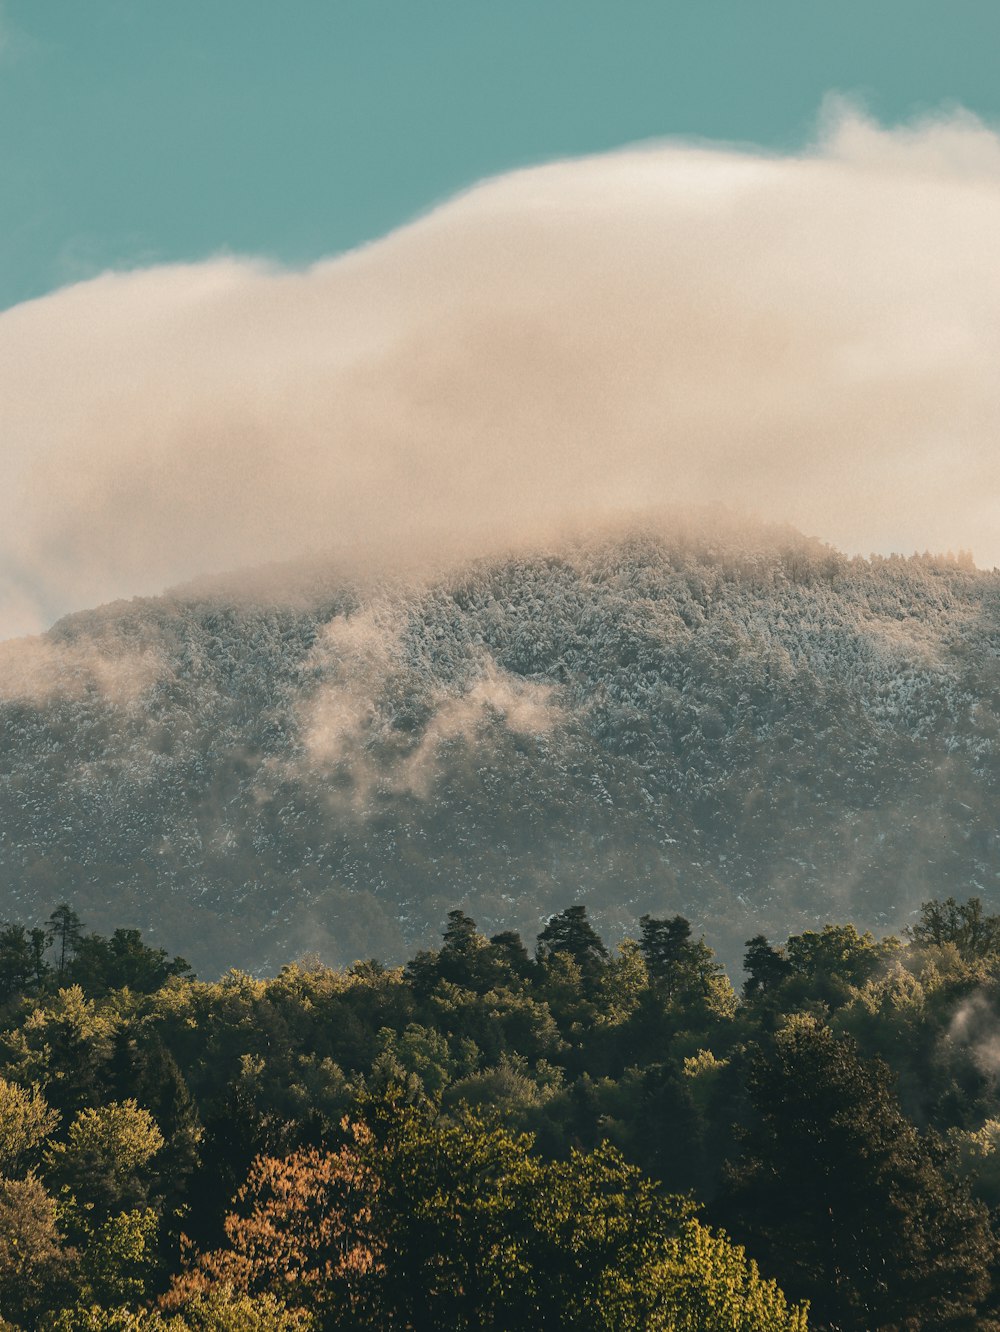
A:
498, 1137
727, 722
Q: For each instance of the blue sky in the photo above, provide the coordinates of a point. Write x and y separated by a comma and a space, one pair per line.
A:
142, 131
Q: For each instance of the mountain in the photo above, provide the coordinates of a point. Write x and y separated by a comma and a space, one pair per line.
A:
731, 722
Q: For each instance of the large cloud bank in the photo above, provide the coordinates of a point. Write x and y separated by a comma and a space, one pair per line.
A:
813, 338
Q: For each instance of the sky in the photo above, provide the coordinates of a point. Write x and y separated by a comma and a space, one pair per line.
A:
147, 131
204, 381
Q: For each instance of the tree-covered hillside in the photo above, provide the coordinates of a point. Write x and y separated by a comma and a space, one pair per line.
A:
733, 723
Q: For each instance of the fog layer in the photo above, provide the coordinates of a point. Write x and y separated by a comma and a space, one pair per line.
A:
812, 338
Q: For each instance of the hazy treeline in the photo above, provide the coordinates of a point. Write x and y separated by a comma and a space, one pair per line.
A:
730, 723
493, 1136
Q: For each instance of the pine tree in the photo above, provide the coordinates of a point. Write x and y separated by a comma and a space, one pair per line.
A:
65, 929
570, 932
766, 967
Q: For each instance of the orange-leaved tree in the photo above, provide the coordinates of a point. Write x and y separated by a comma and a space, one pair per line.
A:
302, 1225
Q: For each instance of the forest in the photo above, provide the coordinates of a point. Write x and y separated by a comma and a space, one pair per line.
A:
506, 1137
729, 722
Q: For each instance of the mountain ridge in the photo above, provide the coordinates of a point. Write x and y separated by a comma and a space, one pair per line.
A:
729, 721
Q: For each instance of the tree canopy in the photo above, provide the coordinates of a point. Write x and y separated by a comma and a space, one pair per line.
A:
577, 1137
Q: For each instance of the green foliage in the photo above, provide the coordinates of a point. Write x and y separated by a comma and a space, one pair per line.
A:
512, 1088
570, 935
585, 1243
82, 1317
100, 964
853, 1207
711, 1286
964, 924
445, 1213
26, 1122
829, 963
623, 985
484, 1139
426, 1055
102, 1162
218, 1311
63, 1045
117, 1252
223, 1310
601, 1229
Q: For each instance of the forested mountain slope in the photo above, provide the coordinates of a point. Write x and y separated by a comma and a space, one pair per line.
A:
733, 723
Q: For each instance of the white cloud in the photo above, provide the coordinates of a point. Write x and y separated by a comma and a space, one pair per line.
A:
811, 337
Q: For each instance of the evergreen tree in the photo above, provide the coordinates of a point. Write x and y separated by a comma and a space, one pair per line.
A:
465, 959
38, 941
765, 968
65, 929
679, 967
510, 950
16, 961
100, 964
840, 1196
571, 933
664, 945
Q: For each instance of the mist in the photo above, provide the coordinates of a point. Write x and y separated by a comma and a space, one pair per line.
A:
811, 338
355, 660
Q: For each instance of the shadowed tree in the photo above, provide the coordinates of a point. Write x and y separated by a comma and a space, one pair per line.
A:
965, 924
664, 944
65, 928
100, 965
15, 961
465, 959
842, 1198
509, 947
571, 933
765, 968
